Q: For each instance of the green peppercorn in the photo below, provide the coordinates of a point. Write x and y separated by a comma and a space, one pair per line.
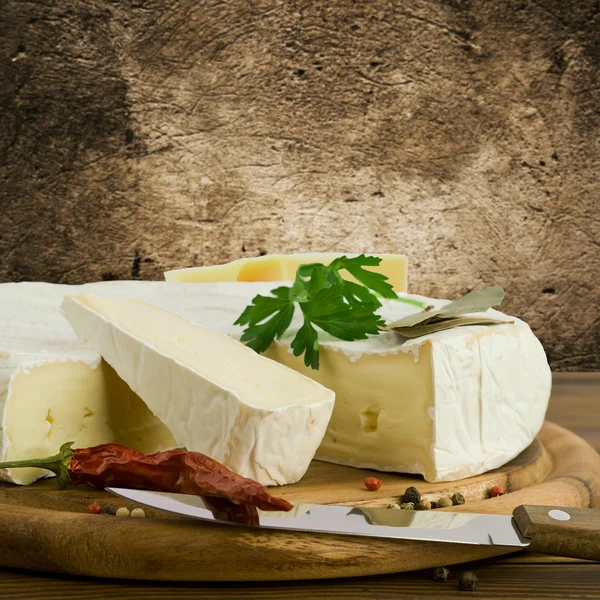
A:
407, 506
109, 510
411, 495
468, 581
441, 574
444, 502
423, 505
457, 498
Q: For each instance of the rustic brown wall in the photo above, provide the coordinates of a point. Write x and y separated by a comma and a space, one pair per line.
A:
136, 138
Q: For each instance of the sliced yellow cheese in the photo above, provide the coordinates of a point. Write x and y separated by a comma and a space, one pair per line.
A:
282, 267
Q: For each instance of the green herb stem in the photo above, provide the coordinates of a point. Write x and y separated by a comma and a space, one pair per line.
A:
412, 301
58, 464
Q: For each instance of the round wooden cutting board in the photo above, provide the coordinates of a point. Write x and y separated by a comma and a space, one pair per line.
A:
46, 529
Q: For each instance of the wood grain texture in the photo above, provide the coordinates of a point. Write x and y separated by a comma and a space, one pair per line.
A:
572, 581
137, 137
578, 536
179, 549
575, 404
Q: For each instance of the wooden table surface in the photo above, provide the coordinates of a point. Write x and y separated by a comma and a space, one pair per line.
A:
575, 404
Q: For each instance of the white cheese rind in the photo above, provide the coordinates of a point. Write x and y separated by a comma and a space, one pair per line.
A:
491, 394
246, 431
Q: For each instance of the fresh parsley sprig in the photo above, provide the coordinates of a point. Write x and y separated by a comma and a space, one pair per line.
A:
345, 309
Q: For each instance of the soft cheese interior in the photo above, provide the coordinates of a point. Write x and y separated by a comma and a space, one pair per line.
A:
80, 401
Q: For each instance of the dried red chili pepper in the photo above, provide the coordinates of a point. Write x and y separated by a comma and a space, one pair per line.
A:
230, 495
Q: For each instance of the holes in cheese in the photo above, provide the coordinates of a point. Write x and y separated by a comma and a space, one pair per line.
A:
55, 402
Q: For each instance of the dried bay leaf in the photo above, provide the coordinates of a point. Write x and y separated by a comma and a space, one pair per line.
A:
444, 324
452, 314
474, 301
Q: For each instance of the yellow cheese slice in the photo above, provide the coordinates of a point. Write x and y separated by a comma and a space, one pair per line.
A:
282, 267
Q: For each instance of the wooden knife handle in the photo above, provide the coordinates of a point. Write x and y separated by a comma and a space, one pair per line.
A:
573, 532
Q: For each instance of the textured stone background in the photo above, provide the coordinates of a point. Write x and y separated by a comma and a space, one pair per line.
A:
142, 136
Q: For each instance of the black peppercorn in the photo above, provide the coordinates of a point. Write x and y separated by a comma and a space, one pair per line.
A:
468, 581
411, 495
441, 574
434, 505
457, 498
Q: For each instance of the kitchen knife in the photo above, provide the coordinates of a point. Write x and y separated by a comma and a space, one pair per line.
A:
573, 532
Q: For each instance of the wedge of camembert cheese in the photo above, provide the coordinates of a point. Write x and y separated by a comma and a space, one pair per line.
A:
215, 395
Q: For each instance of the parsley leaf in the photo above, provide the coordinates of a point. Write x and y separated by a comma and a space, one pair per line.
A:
344, 309
370, 279
260, 336
307, 342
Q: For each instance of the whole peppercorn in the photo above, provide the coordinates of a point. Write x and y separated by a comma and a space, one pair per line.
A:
423, 505
122, 512
468, 581
441, 574
444, 502
434, 505
393, 505
108, 510
457, 498
372, 483
407, 506
94, 508
497, 491
411, 495
138, 512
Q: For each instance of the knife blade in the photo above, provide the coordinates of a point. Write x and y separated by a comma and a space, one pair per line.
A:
433, 526
563, 531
